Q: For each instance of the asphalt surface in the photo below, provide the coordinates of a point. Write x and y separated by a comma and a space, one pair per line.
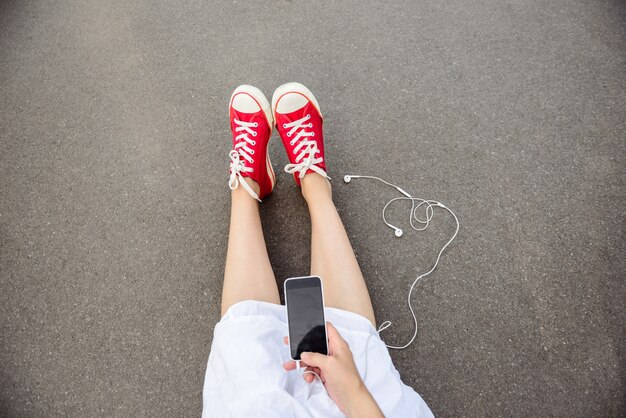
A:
114, 205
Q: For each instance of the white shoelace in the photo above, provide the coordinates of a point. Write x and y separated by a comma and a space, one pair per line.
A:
242, 152
307, 149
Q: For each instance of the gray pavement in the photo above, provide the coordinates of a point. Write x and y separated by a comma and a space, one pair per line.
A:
114, 205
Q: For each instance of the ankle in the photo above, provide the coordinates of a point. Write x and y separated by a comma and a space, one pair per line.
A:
253, 185
315, 187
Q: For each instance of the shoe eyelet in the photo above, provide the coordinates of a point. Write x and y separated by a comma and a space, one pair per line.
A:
252, 142
252, 170
289, 134
285, 125
308, 116
252, 163
254, 133
291, 143
310, 125
294, 151
256, 124
251, 152
312, 134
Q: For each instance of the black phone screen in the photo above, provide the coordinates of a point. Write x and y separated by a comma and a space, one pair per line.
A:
305, 314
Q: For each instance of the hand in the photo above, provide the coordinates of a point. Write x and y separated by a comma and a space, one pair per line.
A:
339, 375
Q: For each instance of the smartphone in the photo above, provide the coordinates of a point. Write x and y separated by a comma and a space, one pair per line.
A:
305, 316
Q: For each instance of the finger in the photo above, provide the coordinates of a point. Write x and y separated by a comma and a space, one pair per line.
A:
318, 373
335, 340
332, 332
314, 359
291, 365
309, 374
321, 375
286, 340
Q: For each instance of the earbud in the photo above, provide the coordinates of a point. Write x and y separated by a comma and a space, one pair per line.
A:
398, 232
347, 179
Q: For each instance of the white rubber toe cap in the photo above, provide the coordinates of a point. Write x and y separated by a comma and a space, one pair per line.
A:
249, 99
245, 103
292, 96
291, 102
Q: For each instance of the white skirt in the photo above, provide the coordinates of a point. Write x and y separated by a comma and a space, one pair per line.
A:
245, 378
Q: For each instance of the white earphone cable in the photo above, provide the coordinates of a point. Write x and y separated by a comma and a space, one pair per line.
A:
416, 203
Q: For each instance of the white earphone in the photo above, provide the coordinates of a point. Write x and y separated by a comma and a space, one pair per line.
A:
416, 203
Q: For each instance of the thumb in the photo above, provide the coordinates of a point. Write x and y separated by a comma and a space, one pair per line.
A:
336, 343
314, 359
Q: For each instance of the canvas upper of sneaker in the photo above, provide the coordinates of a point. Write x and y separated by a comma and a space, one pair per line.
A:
302, 135
251, 134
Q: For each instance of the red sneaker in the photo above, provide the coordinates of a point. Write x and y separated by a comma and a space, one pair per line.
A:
251, 123
299, 122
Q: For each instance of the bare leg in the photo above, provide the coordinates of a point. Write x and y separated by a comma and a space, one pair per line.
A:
248, 273
332, 257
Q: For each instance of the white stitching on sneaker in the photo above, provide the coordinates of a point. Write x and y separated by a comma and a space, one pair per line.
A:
306, 159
